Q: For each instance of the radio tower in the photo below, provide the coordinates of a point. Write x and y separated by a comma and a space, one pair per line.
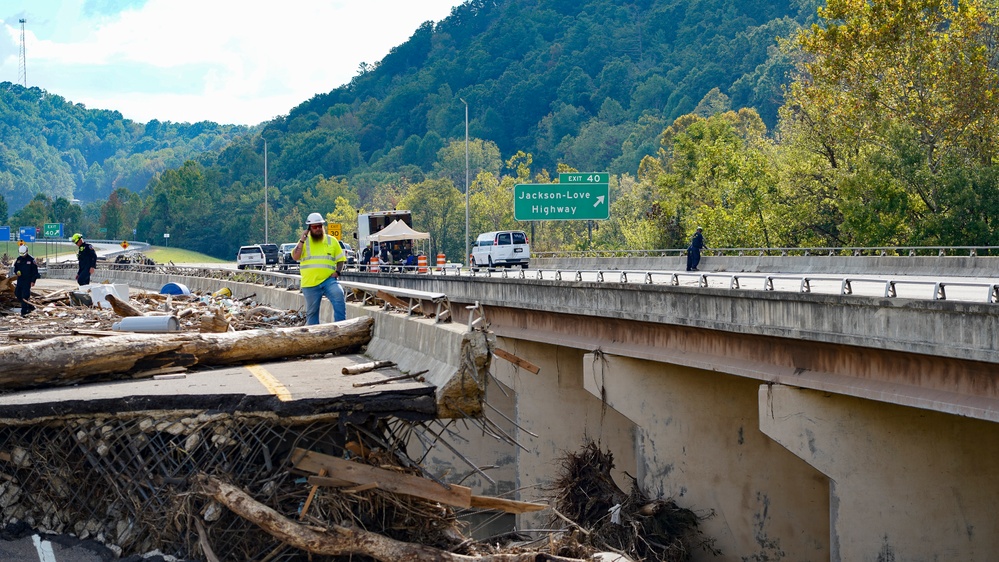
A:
22, 73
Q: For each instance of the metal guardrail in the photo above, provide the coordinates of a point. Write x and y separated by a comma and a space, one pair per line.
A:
429, 304
858, 251
886, 287
255, 276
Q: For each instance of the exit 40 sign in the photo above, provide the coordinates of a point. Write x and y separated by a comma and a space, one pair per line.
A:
577, 196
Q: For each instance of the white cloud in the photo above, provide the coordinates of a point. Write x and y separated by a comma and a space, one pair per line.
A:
218, 60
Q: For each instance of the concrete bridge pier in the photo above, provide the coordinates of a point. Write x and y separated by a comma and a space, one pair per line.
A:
554, 406
905, 484
699, 442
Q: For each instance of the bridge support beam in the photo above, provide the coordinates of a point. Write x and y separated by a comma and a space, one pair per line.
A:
700, 443
905, 483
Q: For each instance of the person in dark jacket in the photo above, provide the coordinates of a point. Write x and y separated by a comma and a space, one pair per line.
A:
694, 250
87, 257
26, 270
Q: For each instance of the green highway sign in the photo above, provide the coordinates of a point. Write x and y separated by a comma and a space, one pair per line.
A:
561, 201
52, 230
589, 177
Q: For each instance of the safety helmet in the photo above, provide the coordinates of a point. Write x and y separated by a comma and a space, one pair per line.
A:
22, 249
76, 237
315, 218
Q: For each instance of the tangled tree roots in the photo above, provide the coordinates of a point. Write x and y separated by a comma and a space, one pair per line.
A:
642, 528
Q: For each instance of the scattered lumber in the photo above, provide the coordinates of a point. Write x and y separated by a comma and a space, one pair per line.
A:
366, 367
418, 376
122, 308
215, 323
341, 540
522, 363
67, 359
356, 473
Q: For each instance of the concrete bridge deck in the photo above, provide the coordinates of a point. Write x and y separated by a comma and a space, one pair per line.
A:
811, 427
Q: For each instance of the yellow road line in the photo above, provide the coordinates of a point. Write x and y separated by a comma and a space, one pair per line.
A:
270, 382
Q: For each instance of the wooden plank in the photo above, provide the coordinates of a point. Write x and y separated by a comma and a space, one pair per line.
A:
393, 300
522, 363
509, 506
388, 480
308, 500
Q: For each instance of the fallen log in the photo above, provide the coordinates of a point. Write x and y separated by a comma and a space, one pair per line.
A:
67, 359
341, 540
341, 471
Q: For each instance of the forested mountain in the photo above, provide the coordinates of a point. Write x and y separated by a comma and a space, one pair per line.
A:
575, 81
873, 126
54, 147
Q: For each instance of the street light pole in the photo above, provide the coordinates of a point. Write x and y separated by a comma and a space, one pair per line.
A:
467, 252
265, 192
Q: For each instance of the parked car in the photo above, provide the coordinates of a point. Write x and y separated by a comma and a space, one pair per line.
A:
348, 250
285, 255
271, 253
501, 248
252, 257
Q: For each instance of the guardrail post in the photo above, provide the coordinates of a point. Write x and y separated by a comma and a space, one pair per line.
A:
890, 289
845, 288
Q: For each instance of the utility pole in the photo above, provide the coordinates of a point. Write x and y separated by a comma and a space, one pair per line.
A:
467, 250
22, 73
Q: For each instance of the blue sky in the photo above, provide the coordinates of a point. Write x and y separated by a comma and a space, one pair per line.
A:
227, 61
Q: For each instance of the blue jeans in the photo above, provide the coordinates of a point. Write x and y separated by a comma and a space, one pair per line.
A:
314, 299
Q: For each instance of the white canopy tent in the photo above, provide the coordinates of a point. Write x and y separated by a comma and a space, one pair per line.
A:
398, 230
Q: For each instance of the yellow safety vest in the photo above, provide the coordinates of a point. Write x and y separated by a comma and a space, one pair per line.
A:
318, 264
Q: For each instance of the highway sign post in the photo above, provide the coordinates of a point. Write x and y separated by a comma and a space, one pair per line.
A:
577, 197
52, 230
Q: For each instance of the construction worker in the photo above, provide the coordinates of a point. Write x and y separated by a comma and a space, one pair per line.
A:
87, 257
26, 270
321, 260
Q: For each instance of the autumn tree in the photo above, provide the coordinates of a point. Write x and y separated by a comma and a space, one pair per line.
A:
897, 104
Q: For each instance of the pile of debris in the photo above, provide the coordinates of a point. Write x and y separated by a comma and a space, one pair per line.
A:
62, 312
607, 518
136, 258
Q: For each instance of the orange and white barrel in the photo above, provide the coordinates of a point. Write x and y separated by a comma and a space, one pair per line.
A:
441, 260
421, 263
373, 265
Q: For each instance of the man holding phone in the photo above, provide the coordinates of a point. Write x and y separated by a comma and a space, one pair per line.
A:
321, 260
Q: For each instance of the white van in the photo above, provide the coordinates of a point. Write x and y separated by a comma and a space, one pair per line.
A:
501, 248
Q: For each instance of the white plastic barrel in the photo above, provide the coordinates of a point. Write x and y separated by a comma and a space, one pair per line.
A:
147, 324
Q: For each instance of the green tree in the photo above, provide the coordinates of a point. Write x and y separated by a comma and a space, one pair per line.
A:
3, 209
482, 156
438, 209
899, 98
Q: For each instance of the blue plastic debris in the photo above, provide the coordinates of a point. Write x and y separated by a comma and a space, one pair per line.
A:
175, 289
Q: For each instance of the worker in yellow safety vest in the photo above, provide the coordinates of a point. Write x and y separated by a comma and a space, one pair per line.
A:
321, 260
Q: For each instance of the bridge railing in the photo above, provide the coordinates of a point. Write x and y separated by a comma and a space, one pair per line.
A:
855, 251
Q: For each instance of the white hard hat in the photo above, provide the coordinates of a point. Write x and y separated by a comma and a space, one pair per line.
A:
22, 249
315, 218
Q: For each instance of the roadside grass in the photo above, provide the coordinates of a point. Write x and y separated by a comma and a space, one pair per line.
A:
41, 250
162, 254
